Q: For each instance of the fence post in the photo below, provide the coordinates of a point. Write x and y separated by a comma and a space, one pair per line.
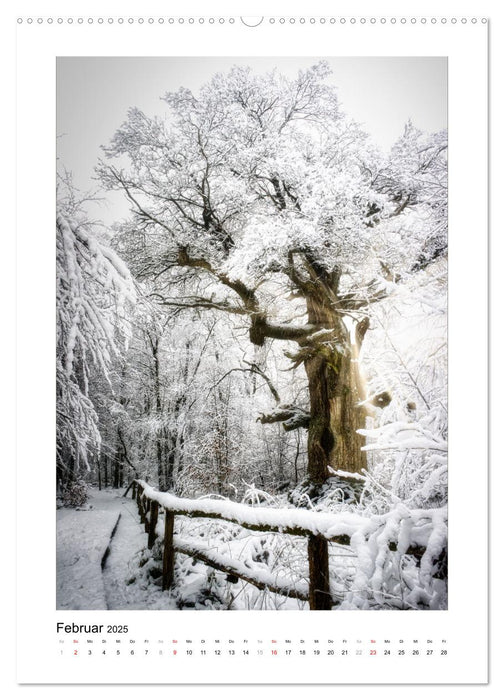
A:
139, 504
168, 551
318, 560
146, 503
152, 523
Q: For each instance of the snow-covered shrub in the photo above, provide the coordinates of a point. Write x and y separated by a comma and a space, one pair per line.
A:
75, 494
401, 561
340, 490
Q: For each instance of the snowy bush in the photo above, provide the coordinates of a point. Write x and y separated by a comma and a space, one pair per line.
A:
75, 494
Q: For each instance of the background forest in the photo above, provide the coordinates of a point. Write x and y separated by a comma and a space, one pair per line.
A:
266, 325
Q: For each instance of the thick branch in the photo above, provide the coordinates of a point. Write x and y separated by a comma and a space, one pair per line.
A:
288, 332
320, 283
292, 417
246, 295
261, 328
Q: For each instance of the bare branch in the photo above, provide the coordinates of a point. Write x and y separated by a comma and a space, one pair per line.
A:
198, 303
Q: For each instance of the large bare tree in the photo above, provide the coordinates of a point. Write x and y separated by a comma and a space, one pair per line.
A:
270, 204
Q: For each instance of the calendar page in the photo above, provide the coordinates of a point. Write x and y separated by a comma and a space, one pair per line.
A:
257, 415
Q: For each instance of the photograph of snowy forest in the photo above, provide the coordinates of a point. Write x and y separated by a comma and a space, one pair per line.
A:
251, 347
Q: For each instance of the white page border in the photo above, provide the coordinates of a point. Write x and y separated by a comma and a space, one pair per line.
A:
465, 46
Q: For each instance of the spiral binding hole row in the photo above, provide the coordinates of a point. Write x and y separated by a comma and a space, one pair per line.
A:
233, 20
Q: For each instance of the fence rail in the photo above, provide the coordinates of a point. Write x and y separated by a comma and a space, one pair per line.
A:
319, 528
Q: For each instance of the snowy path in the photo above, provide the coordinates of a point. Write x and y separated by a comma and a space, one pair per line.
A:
122, 566
83, 537
82, 540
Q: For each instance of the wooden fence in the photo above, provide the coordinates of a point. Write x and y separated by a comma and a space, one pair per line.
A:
316, 527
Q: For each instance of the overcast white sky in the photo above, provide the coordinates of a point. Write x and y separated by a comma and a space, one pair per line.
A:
94, 94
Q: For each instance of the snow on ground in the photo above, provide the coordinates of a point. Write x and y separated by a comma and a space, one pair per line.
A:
82, 540
125, 587
82, 537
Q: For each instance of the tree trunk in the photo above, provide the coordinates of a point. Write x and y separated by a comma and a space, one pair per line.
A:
335, 415
118, 465
161, 467
335, 392
335, 389
170, 466
155, 341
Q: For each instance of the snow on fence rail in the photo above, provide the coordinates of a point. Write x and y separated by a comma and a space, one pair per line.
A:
420, 538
